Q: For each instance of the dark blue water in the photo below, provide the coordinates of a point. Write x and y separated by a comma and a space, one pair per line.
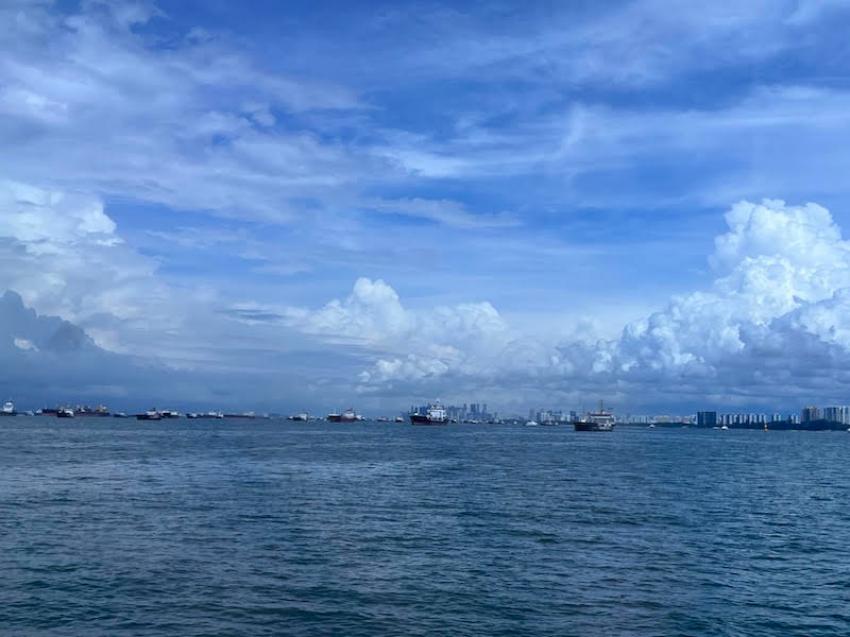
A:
112, 527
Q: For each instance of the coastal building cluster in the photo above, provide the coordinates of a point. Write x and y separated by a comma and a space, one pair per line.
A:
713, 419
834, 414
551, 416
467, 412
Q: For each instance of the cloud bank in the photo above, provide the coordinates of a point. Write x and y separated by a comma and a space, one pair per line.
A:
772, 327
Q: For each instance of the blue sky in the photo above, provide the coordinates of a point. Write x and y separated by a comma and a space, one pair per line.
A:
386, 203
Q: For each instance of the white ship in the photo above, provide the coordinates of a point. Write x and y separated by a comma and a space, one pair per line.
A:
8, 409
349, 415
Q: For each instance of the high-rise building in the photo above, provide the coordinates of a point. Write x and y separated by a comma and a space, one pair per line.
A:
706, 419
810, 414
838, 413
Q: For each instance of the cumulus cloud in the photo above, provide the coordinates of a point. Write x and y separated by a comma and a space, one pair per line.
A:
62, 251
374, 315
773, 320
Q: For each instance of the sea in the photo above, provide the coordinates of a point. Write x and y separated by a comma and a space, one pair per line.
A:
115, 527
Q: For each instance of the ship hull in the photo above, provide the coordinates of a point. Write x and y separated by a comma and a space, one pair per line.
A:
420, 419
592, 426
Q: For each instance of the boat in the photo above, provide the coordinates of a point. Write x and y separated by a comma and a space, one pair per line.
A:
167, 413
531, 423
119, 414
398, 419
151, 414
724, 427
92, 412
349, 415
435, 415
8, 409
64, 412
301, 417
596, 421
216, 415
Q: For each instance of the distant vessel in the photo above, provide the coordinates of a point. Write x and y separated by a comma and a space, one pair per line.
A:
8, 409
245, 414
435, 415
301, 417
596, 421
167, 413
349, 415
724, 427
64, 412
89, 412
151, 414
209, 414
398, 419
531, 423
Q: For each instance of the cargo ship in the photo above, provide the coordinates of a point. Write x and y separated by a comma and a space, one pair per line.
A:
434, 415
601, 420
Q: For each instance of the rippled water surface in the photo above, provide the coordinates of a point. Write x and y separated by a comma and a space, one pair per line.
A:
111, 527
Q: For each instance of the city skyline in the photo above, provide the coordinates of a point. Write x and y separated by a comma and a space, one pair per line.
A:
296, 206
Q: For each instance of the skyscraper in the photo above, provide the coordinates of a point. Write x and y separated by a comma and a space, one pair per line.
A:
809, 414
706, 419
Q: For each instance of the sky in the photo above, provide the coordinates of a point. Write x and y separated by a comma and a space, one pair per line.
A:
316, 205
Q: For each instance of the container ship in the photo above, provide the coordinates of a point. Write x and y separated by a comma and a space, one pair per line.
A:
435, 415
601, 420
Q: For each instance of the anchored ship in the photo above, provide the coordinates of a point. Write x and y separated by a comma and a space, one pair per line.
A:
8, 409
601, 420
349, 415
435, 415
92, 412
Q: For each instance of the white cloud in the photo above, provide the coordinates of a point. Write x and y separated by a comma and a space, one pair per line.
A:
62, 251
24, 344
776, 311
45, 220
89, 101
